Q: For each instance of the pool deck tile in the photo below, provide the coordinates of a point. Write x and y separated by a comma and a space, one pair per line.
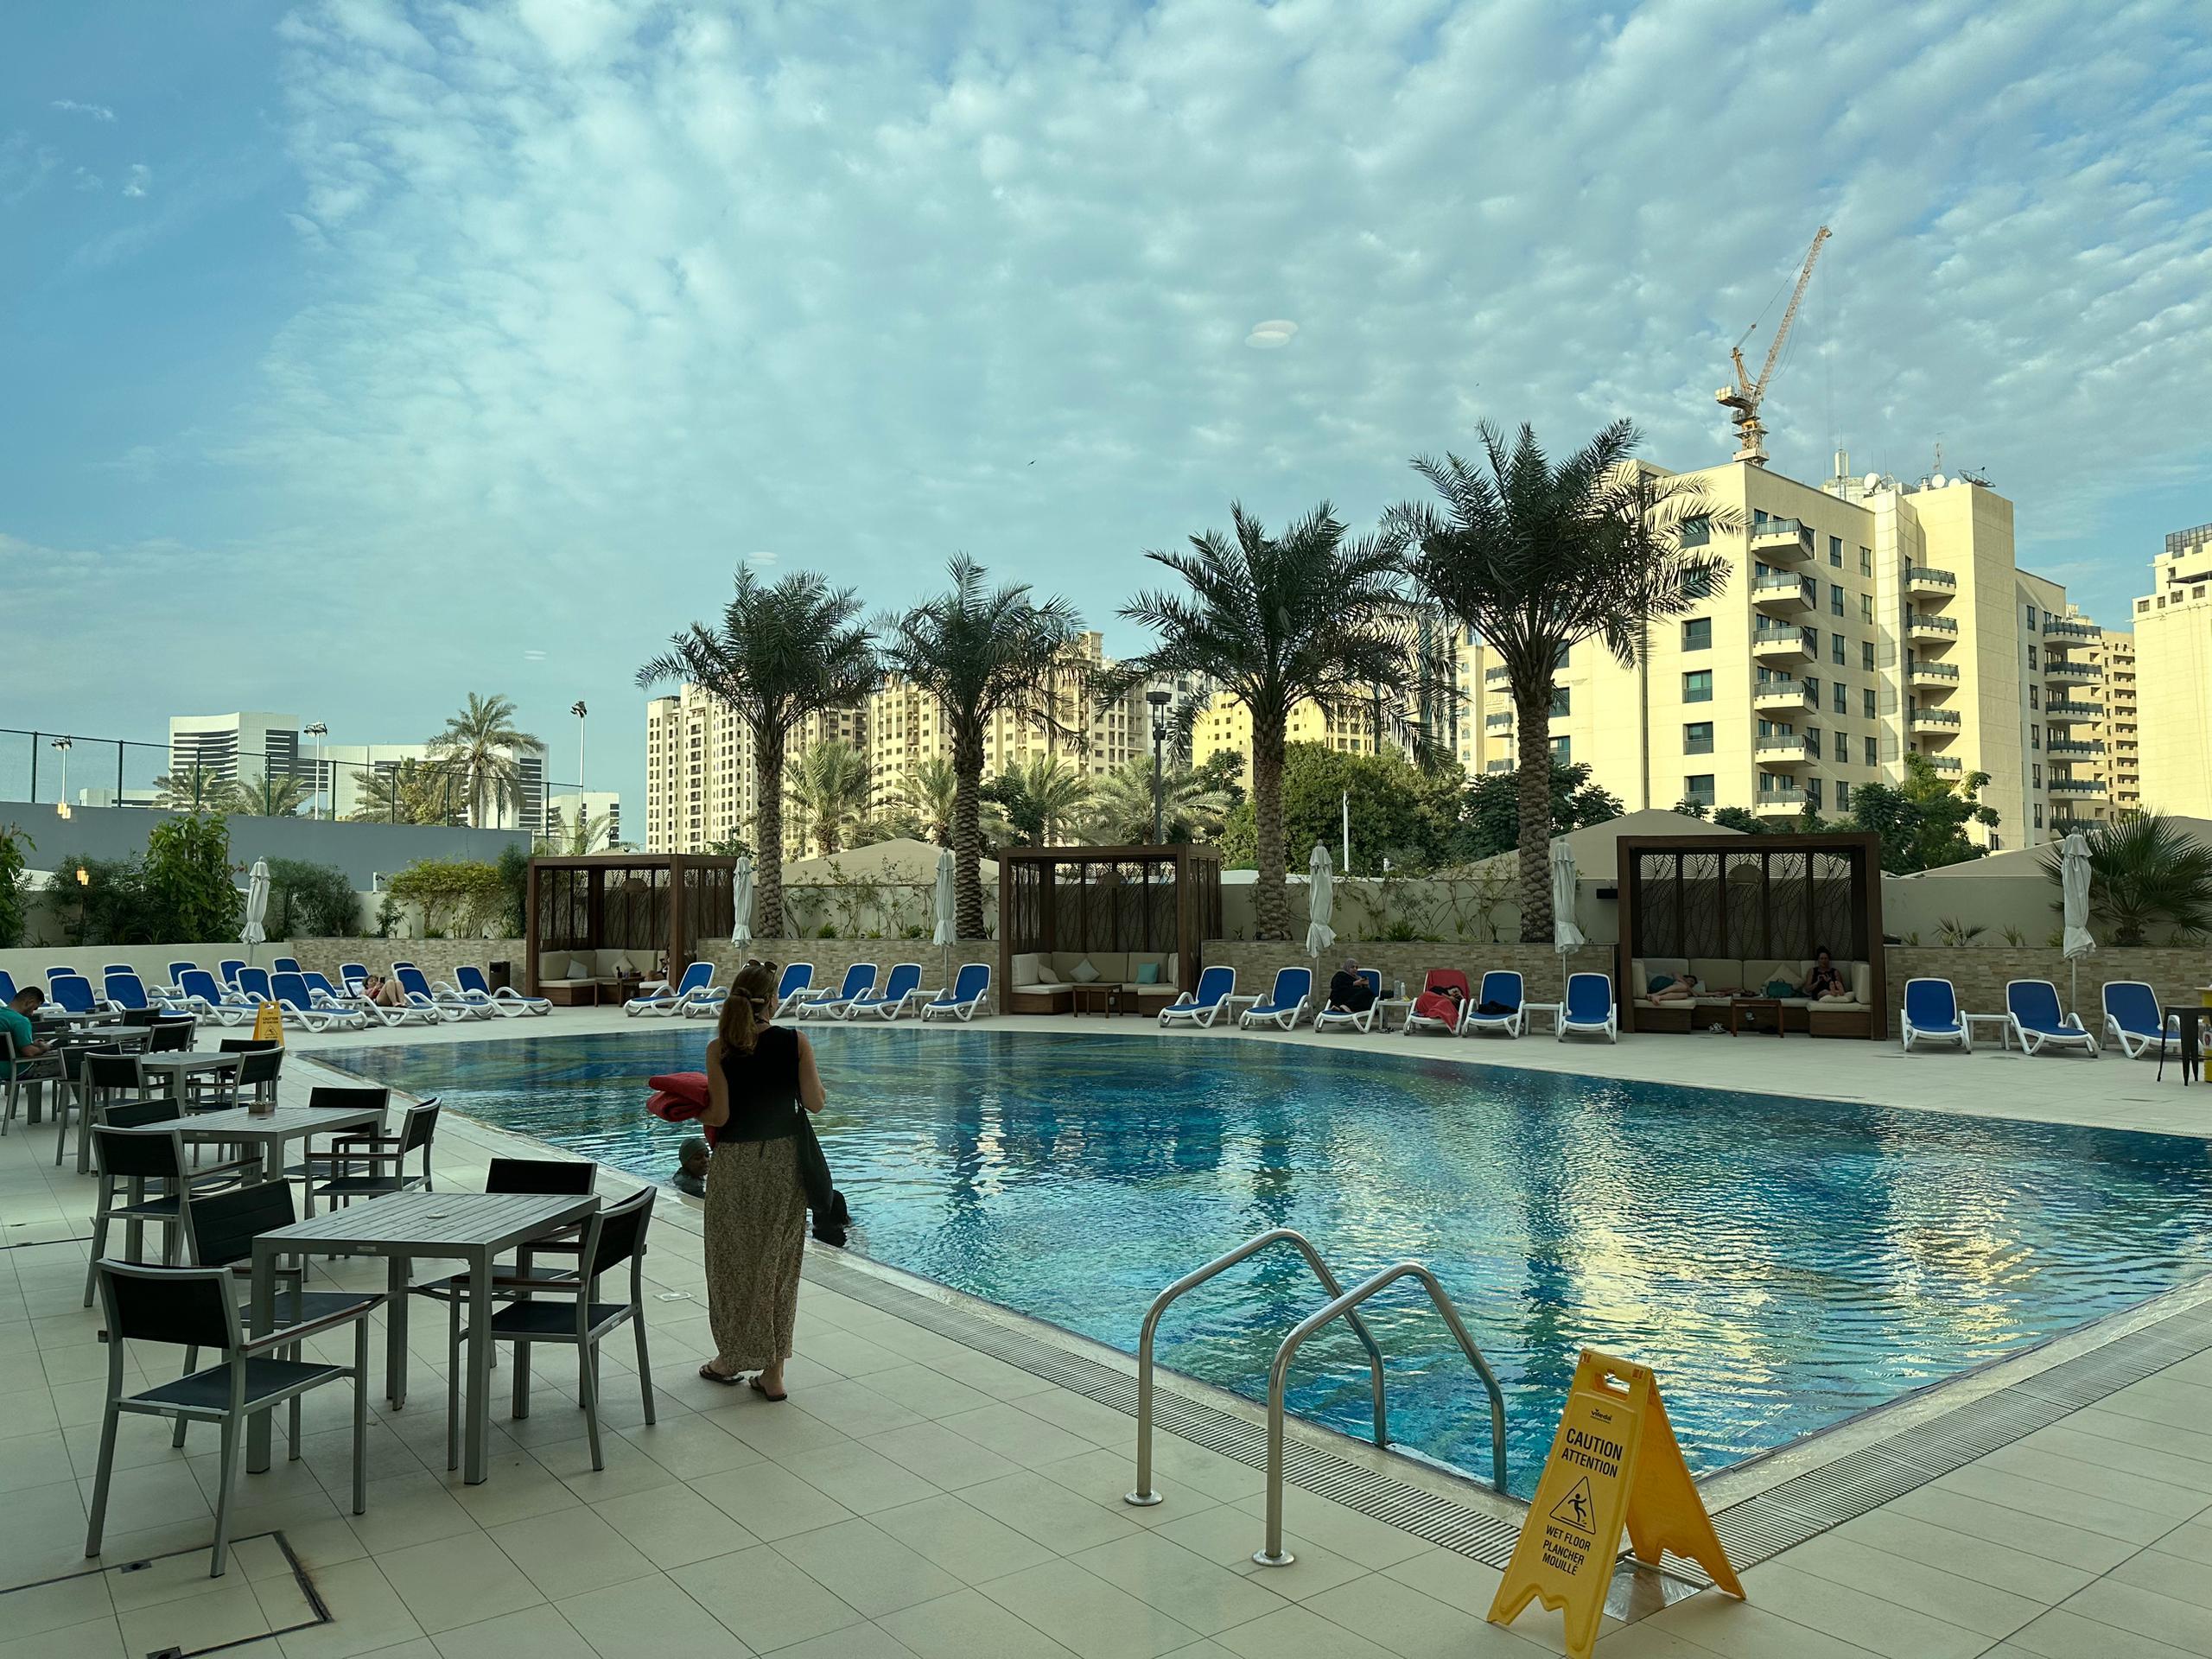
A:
919, 1497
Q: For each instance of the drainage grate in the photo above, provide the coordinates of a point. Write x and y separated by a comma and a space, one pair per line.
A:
312, 1603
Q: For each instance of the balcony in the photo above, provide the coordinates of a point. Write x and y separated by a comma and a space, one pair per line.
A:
2070, 628
1925, 581
2070, 709
1936, 722
1780, 693
1778, 802
2078, 788
1779, 593
2057, 671
1780, 647
1935, 677
1780, 749
1925, 630
1947, 765
1497, 676
1498, 722
1781, 541
2065, 745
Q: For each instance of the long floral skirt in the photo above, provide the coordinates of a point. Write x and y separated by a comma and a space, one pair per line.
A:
756, 1237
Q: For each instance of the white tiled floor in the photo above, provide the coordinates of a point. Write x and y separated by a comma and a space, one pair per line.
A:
918, 1498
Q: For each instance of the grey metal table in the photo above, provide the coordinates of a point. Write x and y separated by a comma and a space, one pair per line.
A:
178, 1067
474, 1228
267, 1132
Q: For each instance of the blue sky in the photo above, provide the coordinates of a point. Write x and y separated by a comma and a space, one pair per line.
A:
362, 355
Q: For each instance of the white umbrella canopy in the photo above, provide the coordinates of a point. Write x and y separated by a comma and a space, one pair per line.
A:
2074, 886
1322, 902
942, 902
256, 906
1566, 936
740, 900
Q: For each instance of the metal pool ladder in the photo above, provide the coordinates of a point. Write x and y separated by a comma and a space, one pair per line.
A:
1342, 1303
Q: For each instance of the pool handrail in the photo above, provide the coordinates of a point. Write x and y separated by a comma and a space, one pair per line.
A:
1144, 1497
1344, 1306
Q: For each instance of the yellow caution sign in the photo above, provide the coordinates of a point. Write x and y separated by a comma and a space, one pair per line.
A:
269, 1024
1614, 1463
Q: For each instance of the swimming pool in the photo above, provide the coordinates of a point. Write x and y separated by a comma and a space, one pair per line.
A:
1781, 1263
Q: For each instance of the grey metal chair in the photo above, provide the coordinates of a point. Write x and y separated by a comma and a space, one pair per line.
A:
544, 1175
104, 1077
135, 1146
371, 1165
31, 1071
567, 1311
192, 1308
335, 1097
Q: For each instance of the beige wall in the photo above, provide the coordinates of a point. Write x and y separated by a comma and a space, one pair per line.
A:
1979, 974
28, 965
2173, 665
436, 957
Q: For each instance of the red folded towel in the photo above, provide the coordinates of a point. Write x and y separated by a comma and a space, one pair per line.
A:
679, 1096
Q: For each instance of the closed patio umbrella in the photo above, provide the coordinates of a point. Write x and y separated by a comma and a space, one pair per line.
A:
740, 900
1566, 936
2073, 884
256, 906
1322, 902
941, 910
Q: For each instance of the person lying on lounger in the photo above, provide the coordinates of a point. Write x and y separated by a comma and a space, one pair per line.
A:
1349, 990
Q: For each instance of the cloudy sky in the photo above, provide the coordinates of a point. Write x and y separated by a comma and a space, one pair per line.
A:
364, 354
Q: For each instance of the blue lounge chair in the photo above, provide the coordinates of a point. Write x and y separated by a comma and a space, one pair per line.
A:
1217, 985
285, 965
352, 974
904, 985
1589, 1010
2132, 1021
797, 981
354, 980
2033, 1004
7, 986
1501, 986
295, 1006
831, 1005
253, 982
415, 986
61, 968
1930, 1014
1285, 1003
470, 984
202, 996
1440, 979
126, 991
72, 993
698, 979
1329, 1019
228, 968
971, 989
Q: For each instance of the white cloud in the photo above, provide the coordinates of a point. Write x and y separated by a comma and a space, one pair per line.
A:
70, 106
138, 179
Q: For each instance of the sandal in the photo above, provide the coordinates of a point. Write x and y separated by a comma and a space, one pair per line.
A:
710, 1373
754, 1383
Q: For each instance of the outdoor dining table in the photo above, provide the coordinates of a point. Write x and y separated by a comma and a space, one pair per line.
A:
474, 1228
267, 1132
178, 1067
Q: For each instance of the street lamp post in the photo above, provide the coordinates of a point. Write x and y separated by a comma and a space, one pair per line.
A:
319, 731
1159, 698
61, 746
578, 709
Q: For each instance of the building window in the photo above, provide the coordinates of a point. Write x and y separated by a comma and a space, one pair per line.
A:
2038, 815
1842, 697
1813, 794
1697, 633
1870, 751
2036, 777
1870, 703
1836, 551
1842, 795
1698, 788
1813, 741
1697, 687
1867, 655
1813, 690
1835, 600
1697, 737
1698, 584
1866, 562
2034, 699
2031, 659
1695, 533
1560, 700
2031, 619
1865, 608
2034, 737
1563, 751
1835, 650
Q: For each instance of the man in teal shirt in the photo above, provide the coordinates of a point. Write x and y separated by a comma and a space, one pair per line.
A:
16, 1020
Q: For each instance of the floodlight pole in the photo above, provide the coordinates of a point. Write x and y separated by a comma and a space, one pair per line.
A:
1158, 697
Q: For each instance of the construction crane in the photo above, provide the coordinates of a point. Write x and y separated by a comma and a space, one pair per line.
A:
1743, 399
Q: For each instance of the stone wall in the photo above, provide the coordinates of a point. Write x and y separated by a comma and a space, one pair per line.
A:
831, 957
436, 957
1977, 973
1539, 966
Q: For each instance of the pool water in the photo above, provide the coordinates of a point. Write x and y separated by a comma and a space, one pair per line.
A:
1781, 1263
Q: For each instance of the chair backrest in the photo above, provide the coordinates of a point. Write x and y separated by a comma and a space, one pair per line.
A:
697, 978
1589, 996
111, 1070
553, 1175
1445, 979
228, 967
1292, 984
198, 982
224, 1225
974, 979
254, 981
61, 967
421, 1125
137, 1113
2134, 1005
179, 970
184, 1307
151, 1152
291, 990
411, 981
240, 1044
858, 978
318, 982
145, 1017
470, 978
125, 989
904, 976
171, 1036
285, 965
351, 973
1374, 978
72, 993
8, 992
260, 1066
1502, 985
345, 1097
617, 1233
2033, 1001
1214, 983
1931, 1002
798, 976
397, 966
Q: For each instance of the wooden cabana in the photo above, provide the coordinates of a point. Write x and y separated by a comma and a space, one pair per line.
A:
1058, 906
1735, 909
649, 909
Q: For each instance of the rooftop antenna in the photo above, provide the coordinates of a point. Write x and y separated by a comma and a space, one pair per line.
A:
1743, 399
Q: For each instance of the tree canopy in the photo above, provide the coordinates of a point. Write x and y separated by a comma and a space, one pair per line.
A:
1923, 822
1492, 813
1398, 811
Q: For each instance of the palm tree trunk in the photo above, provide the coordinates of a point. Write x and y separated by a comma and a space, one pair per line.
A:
768, 820
1270, 898
967, 838
1533, 714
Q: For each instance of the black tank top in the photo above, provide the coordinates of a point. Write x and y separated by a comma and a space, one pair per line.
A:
764, 1103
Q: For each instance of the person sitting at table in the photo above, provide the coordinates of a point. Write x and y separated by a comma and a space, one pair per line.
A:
16, 1020
1349, 991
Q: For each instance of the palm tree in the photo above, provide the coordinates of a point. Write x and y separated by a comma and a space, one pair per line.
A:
1536, 558
1120, 812
407, 791
827, 786
779, 653
1040, 796
193, 789
482, 747
278, 796
2144, 867
583, 835
1276, 622
929, 792
982, 653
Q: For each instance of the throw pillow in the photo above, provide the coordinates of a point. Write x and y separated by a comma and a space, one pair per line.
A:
1083, 973
1781, 988
1147, 973
579, 968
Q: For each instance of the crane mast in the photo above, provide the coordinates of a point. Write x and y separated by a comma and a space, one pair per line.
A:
1743, 399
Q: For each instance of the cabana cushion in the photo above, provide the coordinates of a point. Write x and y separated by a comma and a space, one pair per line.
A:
1751, 975
1060, 970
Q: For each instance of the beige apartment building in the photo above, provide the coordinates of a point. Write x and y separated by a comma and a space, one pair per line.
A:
1858, 622
2118, 761
2173, 659
701, 785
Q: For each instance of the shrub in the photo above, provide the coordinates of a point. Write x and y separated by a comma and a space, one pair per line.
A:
14, 844
459, 896
311, 900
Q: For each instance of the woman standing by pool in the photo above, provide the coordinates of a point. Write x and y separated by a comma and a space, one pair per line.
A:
759, 1076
